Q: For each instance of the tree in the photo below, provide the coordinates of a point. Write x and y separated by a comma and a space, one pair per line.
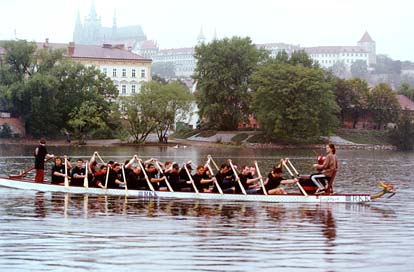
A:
386, 65
163, 69
44, 88
88, 117
359, 69
293, 101
403, 134
352, 98
339, 69
156, 108
223, 73
383, 104
407, 90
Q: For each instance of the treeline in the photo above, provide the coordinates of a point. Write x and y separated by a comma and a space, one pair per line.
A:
53, 95
292, 97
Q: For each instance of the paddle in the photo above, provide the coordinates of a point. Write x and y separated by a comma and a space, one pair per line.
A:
212, 160
108, 168
145, 174
66, 183
166, 179
85, 179
191, 178
24, 173
215, 180
237, 177
290, 172
125, 181
261, 178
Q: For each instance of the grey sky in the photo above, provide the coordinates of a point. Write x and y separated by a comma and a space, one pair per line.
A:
177, 23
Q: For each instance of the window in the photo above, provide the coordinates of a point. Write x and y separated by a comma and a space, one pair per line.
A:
133, 89
133, 73
124, 72
123, 89
142, 73
104, 71
114, 72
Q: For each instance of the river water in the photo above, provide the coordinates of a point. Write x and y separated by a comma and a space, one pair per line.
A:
61, 232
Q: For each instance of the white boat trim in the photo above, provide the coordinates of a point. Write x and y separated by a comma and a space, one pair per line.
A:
290, 198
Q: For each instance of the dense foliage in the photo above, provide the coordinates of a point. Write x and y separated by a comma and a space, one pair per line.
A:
293, 98
223, 72
403, 134
48, 90
156, 109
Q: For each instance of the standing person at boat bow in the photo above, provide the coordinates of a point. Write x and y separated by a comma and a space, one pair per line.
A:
274, 179
41, 154
329, 168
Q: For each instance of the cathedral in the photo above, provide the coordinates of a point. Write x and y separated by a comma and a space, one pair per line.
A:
91, 31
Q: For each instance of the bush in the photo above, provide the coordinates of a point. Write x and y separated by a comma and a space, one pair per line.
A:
238, 138
207, 133
184, 133
403, 135
5, 131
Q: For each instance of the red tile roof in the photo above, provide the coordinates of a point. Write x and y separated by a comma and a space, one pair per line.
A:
95, 51
366, 38
149, 44
405, 102
2, 51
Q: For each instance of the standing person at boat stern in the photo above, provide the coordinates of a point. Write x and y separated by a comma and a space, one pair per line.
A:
328, 168
41, 154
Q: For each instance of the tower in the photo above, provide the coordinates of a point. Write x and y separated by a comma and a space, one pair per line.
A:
368, 44
92, 27
114, 26
201, 38
77, 32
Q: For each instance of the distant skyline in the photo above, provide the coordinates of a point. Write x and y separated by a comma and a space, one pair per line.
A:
177, 23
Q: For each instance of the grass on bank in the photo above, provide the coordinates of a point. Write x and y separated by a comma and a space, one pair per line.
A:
362, 136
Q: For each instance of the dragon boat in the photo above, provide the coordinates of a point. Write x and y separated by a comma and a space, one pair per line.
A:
305, 194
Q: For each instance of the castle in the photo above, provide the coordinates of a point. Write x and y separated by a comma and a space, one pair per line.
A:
91, 31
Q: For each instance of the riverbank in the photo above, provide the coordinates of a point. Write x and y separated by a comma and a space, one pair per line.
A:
219, 140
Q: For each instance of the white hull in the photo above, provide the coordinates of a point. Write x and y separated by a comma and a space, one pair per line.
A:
291, 198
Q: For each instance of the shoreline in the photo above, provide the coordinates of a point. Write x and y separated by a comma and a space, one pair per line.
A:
185, 142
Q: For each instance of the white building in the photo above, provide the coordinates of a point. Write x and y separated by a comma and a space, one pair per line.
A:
328, 56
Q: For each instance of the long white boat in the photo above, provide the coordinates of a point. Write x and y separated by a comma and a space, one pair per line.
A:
27, 184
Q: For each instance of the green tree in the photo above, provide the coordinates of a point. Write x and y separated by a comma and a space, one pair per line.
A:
383, 104
44, 88
156, 108
352, 98
293, 101
407, 90
163, 69
359, 69
403, 134
339, 69
88, 117
386, 65
223, 73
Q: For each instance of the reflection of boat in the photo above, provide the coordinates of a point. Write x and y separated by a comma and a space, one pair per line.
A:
27, 184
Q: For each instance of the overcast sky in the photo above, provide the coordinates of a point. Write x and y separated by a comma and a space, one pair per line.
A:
177, 23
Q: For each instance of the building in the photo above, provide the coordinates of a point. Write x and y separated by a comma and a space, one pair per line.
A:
182, 59
327, 56
276, 48
127, 70
91, 31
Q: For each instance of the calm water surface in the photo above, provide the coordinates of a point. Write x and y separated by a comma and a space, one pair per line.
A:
61, 232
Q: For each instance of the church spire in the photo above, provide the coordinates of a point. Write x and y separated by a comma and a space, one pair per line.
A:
78, 28
92, 13
114, 26
201, 38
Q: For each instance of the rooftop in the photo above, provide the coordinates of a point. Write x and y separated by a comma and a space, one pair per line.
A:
405, 102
